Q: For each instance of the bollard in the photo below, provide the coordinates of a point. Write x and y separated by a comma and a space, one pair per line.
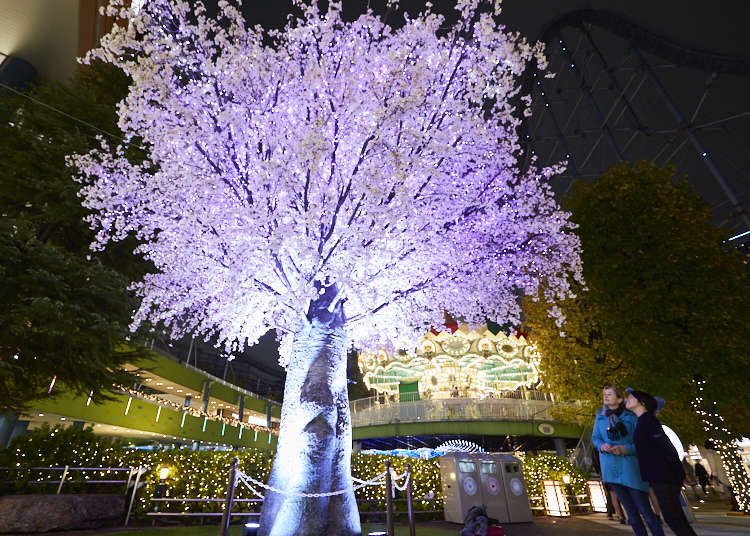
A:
409, 505
226, 517
388, 499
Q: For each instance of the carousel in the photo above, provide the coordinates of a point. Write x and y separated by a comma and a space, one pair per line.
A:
455, 363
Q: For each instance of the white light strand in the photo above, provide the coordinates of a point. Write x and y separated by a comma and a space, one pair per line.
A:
724, 444
376, 481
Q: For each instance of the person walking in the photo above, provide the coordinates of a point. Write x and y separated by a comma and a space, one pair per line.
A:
702, 475
658, 461
690, 479
613, 437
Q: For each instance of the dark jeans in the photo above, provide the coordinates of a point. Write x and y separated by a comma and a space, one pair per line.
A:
635, 502
668, 496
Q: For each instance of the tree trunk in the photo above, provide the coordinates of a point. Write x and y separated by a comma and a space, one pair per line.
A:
315, 441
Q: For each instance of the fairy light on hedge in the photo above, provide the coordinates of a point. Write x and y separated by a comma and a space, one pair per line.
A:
725, 445
203, 474
537, 469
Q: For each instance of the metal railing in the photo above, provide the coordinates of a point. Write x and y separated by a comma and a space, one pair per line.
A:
371, 411
131, 484
157, 514
583, 454
389, 479
398, 398
163, 349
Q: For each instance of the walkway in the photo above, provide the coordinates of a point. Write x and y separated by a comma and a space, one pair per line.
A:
598, 524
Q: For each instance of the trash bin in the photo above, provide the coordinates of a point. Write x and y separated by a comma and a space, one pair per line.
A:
493, 480
519, 509
492, 487
460, 481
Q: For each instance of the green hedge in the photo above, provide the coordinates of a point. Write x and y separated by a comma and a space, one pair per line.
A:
551, 467
203, 474
196, 474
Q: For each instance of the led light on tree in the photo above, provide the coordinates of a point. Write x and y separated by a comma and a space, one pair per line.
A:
338, 182
726, 445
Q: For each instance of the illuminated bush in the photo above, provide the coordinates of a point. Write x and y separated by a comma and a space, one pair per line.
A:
551, 467
203, 474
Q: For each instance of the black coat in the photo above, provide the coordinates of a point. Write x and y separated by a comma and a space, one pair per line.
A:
701, 473
657, 456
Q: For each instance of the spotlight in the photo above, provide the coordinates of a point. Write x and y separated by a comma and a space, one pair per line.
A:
250, 529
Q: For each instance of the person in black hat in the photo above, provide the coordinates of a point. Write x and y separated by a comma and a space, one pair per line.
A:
660, 465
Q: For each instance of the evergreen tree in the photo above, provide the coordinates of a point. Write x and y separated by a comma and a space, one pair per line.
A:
64, 311
666, 300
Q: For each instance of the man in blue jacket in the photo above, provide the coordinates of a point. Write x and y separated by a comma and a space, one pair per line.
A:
658, 460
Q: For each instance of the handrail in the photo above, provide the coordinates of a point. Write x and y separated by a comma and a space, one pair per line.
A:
78, 468
131, 484
195, 412
213, 378
396, 398
368, 412
188, 499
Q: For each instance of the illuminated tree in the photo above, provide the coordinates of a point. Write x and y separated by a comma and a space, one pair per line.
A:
663, 304
334, 181
725, 443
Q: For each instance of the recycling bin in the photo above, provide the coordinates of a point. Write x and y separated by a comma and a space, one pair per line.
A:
493, 480
492, 487
460, 481
514, 485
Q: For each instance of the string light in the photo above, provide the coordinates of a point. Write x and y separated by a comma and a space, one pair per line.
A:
469, 363
203, 474
725, 446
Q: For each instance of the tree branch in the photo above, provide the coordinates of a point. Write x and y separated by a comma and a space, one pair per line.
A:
396, 296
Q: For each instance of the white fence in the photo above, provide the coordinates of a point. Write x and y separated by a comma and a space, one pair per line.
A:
375, 410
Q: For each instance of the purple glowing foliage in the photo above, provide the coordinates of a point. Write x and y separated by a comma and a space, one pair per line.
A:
344, 152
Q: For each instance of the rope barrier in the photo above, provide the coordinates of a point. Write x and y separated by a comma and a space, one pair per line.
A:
389, 478
241, 476
406, 482
378, 480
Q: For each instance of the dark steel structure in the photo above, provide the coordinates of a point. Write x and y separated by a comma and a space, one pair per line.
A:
623, 92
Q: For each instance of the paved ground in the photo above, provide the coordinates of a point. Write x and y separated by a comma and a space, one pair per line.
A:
710, 523
598, 524
711, 520
576, 526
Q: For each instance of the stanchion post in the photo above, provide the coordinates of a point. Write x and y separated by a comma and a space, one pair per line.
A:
388, 499
141, 470
62, 479
130, 477
409, 505
226, 517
